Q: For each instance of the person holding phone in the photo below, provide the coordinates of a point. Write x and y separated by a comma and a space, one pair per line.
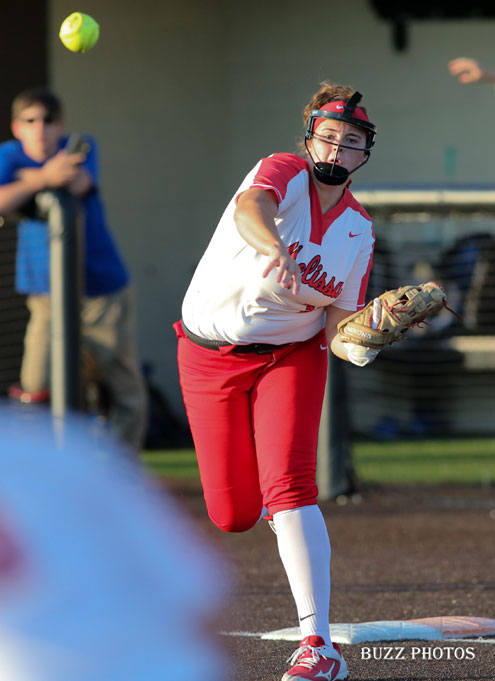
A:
36, 160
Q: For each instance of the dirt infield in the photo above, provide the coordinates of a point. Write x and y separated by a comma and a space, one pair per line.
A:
398, 553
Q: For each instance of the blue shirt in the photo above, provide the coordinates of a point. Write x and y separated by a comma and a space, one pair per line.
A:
104, 269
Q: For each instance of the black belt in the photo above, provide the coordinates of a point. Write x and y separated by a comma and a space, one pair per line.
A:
259, 348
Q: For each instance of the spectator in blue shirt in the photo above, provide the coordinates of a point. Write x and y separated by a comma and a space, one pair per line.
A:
37, 160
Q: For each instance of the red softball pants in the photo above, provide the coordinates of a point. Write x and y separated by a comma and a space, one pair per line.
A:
254, 420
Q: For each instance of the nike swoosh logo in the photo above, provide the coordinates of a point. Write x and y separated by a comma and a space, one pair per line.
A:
325, 675
353, 235
323, 347
306, 617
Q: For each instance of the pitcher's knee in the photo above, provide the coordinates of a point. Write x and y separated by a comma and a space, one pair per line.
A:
234, 522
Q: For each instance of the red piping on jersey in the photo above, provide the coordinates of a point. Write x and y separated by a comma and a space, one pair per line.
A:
320, 222
275, 191
364, 283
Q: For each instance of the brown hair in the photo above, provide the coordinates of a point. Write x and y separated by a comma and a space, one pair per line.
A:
327, 93
34, 96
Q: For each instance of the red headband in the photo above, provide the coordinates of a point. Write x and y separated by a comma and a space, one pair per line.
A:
338, 107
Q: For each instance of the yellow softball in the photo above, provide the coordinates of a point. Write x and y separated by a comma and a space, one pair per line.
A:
79, 32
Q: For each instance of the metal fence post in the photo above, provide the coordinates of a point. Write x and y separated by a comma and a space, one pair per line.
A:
60, 209
335, 472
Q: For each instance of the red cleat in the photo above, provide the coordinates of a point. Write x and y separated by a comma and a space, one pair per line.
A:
16, 392
316, 661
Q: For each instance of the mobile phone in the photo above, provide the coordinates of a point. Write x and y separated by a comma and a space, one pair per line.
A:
77, 145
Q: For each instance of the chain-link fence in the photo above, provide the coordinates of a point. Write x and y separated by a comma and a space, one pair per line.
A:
13, 312
440, 381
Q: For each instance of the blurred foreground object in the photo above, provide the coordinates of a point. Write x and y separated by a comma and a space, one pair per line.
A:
101, 578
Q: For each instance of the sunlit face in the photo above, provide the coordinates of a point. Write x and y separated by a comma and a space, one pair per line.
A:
38, 132
324, 145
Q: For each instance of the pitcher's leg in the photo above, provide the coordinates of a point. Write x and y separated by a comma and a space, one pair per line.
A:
287, 408
287, 402
219, 415
304, 548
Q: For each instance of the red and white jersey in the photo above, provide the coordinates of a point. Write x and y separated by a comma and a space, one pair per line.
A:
229, 300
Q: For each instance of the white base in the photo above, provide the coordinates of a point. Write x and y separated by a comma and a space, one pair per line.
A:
427, 629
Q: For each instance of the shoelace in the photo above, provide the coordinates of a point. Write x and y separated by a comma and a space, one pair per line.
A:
310, 660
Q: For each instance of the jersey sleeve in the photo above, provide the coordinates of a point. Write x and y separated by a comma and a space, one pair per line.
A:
276, 172
284, 175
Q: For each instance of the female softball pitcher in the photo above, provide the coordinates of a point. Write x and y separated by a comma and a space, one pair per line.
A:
289, 259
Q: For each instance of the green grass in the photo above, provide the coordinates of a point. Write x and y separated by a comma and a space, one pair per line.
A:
401, 461
172, 463
426, 461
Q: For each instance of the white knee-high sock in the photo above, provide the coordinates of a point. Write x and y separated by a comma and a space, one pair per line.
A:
304, 548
